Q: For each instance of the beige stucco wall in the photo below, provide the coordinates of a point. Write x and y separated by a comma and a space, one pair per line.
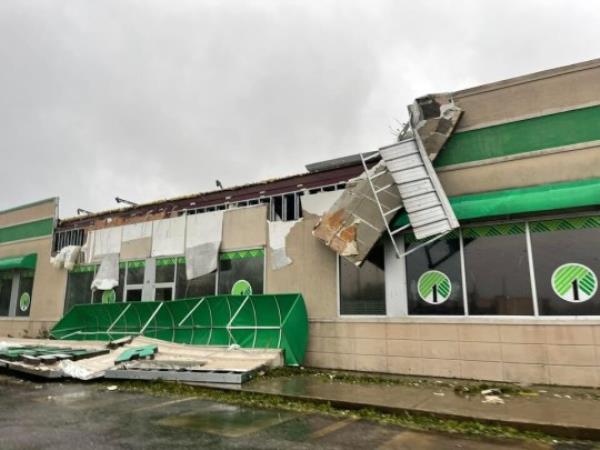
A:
530, 171
49, 284
312, 272
530, 352
531, 95
36, 211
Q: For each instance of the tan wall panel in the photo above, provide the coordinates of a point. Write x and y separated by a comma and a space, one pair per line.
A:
25, 328
49, 284
29, 214
313, 271
244, 228
548, 168
536, 97
542, 352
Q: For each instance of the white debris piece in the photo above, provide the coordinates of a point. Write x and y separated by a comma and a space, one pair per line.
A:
278, 232
202, 242
168, 236
66, 257
493, 399
107, 276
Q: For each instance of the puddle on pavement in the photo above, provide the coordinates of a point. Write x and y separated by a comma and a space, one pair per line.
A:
227, 420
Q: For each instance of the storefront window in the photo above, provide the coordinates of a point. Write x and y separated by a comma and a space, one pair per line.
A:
497, 270
25, 293
241, 272
433, 277
362, 290
6, 281
198, 287
566, 257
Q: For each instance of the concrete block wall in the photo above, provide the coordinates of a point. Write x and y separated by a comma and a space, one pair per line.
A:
542, 353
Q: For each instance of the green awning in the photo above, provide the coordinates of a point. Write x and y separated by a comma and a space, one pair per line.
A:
547, 197
19, 262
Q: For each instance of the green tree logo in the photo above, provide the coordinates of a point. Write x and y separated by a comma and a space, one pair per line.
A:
434, 287
241, 287
109, 296
24, 301
574, 282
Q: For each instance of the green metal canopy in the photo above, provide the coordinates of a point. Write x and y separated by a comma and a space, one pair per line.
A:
252, 321
546, 197
19, 262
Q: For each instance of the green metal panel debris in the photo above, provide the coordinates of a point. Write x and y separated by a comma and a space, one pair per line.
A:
253, 321
146, 351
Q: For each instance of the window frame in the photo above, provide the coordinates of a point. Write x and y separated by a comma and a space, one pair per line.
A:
397, 305
385, 290
14, 296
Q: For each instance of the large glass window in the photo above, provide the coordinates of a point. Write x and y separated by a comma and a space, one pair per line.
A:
362, 290
25, 293
241, 272
79, 284
6, 282
566, 258
433, 276
16, 289
198, 287
497, 270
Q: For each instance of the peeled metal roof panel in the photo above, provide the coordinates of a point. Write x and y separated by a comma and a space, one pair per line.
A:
421, 202
428, 209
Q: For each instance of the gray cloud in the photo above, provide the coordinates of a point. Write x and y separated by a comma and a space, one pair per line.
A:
148, 100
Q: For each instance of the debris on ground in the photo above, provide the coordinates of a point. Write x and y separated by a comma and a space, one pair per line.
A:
494, 399
138, 358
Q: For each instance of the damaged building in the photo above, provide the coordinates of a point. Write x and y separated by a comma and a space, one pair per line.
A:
470, 248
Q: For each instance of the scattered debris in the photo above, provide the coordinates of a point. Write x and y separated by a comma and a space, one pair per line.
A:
439, 394
493, 399
138, 358
112, 387
492, 391
353, 225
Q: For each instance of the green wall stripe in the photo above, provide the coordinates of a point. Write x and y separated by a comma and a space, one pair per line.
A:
171, 261
508, 229
84, 268
241, 254
37, 228
538, 133
545, 197
573, 223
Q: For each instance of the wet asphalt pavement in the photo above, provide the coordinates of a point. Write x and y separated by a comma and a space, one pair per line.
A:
88, 416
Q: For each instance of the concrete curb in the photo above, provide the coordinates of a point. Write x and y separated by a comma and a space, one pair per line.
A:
552, 429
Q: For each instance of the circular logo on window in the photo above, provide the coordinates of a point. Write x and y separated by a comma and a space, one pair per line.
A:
434, 287
24, 301
241, 287
574, 282
109, 296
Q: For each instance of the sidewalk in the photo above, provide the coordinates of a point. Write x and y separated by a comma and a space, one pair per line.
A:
564, 412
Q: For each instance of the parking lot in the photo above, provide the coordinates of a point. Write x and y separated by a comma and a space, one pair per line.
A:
88, 416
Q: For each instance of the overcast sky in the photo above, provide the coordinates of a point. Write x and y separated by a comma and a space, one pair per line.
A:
154, 99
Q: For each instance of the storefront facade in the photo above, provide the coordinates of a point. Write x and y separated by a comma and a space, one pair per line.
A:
512, 295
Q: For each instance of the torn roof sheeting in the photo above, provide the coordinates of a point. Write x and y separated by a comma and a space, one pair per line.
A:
354, 223
433, 119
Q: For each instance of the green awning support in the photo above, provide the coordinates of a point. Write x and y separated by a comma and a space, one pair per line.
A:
19, 262
547, 197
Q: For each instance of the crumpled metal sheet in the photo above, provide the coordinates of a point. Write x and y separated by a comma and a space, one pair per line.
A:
354, 224
433, 117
